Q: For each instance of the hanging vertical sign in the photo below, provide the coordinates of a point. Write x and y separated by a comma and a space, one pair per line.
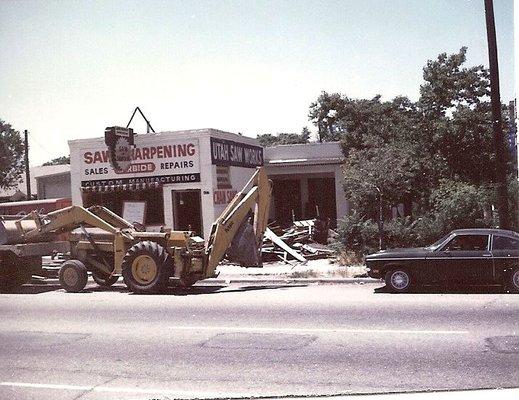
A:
120, 144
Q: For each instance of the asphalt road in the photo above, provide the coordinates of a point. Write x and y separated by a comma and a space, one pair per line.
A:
254, 341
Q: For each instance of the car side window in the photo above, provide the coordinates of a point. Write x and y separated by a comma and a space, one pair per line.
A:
467, 243
505, 243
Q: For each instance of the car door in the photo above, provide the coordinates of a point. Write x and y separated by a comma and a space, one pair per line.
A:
467, 258
505, 250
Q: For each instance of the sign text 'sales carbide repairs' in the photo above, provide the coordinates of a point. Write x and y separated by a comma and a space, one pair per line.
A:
228, 152
163, 162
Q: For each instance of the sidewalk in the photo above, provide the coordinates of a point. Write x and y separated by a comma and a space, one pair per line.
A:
325, 270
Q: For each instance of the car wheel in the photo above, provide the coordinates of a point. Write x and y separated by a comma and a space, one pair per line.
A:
514, 281
73, 276
146, 267
398, 280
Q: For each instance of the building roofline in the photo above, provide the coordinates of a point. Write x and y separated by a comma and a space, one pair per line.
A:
304, 144
183, 134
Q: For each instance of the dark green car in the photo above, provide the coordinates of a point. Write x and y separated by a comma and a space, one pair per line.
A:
476, 256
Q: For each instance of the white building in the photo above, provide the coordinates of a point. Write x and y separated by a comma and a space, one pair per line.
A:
180, 179
184, 179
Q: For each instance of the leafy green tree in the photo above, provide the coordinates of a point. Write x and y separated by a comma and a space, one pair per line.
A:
326, 113
11, 156
269, 140
448, 84
435, 155
458, 204
386, 171
447, 134
63, 160
455, 104
386, 152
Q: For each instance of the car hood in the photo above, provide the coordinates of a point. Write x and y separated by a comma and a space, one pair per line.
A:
395, 253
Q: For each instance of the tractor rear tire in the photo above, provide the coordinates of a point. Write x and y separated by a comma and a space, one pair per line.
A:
73, 276
146, 267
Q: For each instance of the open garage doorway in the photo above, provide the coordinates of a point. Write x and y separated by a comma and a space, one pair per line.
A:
303, 197
287, 200
321, 199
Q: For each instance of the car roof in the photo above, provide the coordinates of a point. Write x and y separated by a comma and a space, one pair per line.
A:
486, 231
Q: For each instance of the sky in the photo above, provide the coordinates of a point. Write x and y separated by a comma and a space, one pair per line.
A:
68, 69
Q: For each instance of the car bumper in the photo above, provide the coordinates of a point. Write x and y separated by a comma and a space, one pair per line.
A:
374, 273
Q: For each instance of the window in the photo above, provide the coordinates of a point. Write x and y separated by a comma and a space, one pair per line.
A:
468, 243
505, 243
114, 201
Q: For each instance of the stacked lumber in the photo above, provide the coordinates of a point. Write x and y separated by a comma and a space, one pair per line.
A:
298, 243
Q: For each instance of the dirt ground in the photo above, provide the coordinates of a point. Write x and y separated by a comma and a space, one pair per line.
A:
321, 268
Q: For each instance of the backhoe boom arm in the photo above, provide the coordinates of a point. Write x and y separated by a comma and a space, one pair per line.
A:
253, 199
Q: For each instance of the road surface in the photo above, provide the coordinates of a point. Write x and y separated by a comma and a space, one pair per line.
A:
238, 341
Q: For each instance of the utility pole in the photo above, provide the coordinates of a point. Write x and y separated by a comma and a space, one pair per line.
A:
27, 172
499, 144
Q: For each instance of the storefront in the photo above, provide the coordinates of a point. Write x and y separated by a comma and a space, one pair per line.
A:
307, 182
181, 179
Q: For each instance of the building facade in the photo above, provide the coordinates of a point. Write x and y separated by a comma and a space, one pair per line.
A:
184, 179
181, 179
307, 182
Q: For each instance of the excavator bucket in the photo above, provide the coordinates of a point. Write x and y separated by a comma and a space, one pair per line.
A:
244, 248
233, 234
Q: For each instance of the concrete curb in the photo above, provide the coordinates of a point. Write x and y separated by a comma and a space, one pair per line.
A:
284, 281
262, 280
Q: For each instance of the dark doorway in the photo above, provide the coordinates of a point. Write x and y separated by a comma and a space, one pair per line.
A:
287, 200
187, 210
321, 199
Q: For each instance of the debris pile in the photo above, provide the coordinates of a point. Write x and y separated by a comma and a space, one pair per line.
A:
304, 240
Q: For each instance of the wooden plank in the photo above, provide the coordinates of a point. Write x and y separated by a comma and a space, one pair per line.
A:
279, 242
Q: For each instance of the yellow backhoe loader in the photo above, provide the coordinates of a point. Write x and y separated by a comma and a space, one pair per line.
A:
108, 246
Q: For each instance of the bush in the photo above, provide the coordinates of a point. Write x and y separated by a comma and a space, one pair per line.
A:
357, 234
455, 205
461, 205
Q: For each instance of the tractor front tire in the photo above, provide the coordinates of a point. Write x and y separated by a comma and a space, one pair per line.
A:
73, 276
146, 267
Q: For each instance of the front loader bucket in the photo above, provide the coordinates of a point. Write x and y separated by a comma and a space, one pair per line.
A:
244, 248
11, 234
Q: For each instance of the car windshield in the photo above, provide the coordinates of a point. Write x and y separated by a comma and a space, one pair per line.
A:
436, 244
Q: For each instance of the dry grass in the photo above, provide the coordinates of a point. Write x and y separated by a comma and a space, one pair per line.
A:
339, 272
350, 258
309, 273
